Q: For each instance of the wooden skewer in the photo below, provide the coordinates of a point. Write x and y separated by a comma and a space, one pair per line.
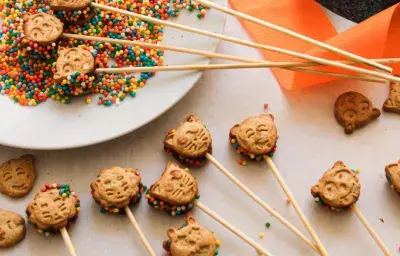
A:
139, 231
230, 66
234, 230
260, 202
371, 230
296, 206
284, 65
288, 32
248, 43
67, 241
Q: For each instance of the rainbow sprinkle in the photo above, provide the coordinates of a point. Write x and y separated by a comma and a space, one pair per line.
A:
26, 71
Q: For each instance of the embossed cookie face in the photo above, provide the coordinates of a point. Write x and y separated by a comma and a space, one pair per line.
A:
191, 138
116, 186
191, 240
66, 5
392, 104
17, 176
50, 210
42, 28
393, 175
339, 187
353, 110
12, 228
258, 134
73, 60
176, 186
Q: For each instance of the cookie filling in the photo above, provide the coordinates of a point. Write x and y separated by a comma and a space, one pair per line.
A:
65, 191
134, 200
172, 210
241, 151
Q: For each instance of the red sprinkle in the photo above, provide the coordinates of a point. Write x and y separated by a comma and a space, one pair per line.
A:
265, 106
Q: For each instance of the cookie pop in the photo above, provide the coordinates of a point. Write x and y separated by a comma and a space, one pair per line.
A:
176, 192
190, 144
115, 190
256, 138
54, 209
392, 173
339, 189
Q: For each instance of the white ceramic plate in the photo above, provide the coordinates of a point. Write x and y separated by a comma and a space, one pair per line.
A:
52, 125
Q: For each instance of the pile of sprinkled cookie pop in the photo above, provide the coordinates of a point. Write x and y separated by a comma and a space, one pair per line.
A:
30, 81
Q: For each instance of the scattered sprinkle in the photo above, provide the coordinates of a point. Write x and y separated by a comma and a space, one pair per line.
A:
261, 235
288, 201
218, 242
265, 106
268, 224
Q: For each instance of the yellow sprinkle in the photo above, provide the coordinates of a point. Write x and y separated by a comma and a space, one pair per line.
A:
64, 195
252, 156
116, 210
187, 169
78, 209
218, 243
261, 235
244, 163
233, 141
357, 170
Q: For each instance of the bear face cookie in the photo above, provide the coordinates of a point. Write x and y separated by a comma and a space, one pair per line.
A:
116, 188
73, 60
174, 192
353, 110
190, 141
190, 240
12, 228
69, 5
339, 187
255, 137
41, 28
392, 172
392, 104
17, 176
53, 208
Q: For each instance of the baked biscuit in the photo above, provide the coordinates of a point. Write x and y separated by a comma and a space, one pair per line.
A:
116, 188
190, 240
53, 208
190, 142
17, 176
392, 104
338, 188
392, 172
255, 137
41, 28
174, 192
12, 228
73, 60
353, 110
69, 5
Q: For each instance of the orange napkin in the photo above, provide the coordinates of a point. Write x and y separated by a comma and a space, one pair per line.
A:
377, 37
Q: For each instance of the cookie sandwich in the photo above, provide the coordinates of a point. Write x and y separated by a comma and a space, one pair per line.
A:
255, 137
191, 240
56, 206
116, 188
189, 142
338, 189
175, 192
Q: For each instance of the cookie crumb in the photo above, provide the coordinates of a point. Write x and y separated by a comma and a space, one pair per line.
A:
382, 220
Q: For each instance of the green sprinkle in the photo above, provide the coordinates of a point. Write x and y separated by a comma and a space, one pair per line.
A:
268, 224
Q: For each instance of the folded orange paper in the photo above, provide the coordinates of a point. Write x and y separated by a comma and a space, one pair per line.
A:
376, 37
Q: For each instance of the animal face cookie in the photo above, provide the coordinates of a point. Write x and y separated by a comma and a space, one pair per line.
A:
191, 240
42, 28
66, 5
176, 186
353, 110
12, 228
393, 175
191, 139
73, 60
52, 211
339, 187
257, 135
392, 104
116, 187
17, 176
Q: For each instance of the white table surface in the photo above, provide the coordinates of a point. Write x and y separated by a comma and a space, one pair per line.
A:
310, 142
